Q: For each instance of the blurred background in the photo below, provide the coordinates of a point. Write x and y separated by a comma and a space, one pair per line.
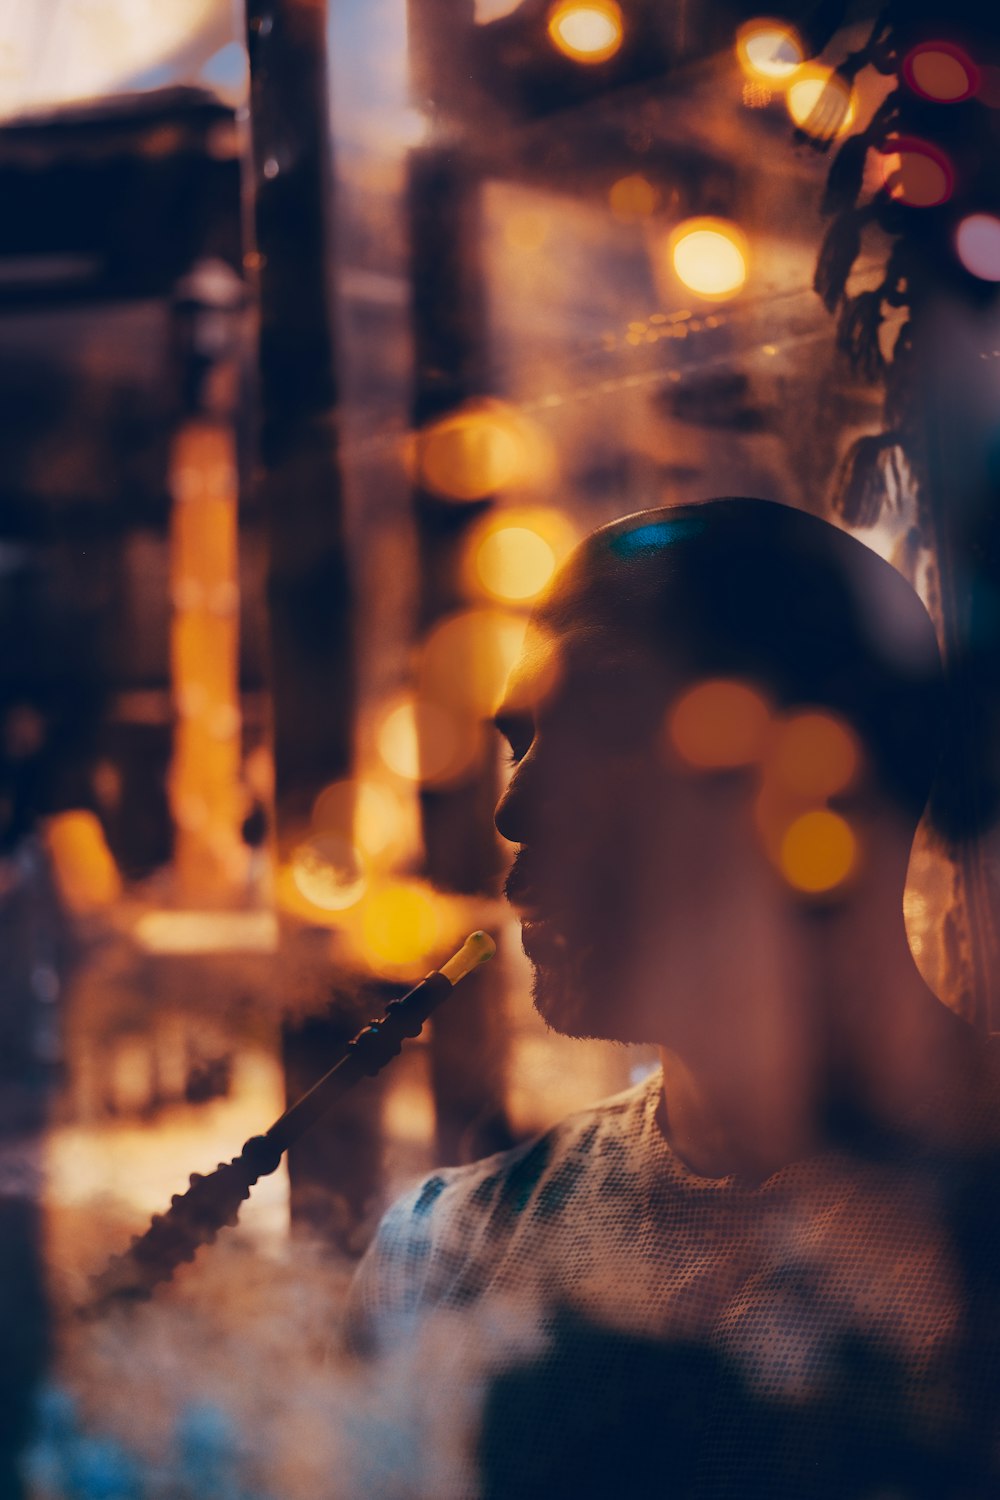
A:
325, 331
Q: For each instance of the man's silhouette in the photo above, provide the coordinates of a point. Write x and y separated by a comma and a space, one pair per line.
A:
723, 732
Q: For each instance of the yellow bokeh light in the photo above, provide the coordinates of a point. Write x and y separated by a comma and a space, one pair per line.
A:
588, 31
328, 872
514, 563
428, 742
512, 554
401, 923
709, 256
813, 756
768, 51
483, 447
467, 658
818, 851
633, 198
820, 103
719, 725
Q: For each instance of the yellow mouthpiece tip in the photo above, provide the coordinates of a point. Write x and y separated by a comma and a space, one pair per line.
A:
477, 948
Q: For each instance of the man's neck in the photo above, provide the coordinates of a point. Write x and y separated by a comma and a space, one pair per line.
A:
855, 1038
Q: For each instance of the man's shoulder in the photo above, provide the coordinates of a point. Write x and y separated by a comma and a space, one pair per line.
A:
444, 1240
540, 1170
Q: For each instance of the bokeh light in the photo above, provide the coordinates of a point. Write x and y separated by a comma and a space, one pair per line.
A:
482, 447
512, 554
86, 875
588, 31
709, 256
940, 71
328, 872
977, 241
514, 562
466, 659
812, 755
719, 725
820, 102
768, 51
915, 173
370, 813
402, 925
633, 198
428, 742
818, 852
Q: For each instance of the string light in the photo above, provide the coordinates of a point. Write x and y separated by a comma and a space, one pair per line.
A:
588, 31
709, 256
820, 102
768, 51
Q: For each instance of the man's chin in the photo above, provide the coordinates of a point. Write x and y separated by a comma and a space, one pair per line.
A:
568, 1003
579, 996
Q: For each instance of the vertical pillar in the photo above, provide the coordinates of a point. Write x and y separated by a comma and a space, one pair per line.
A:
204, 783
334, 1171
449, 338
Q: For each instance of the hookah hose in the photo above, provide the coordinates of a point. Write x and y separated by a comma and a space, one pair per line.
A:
213, 1200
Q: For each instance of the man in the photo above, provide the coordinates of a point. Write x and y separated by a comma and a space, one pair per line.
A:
768, 1269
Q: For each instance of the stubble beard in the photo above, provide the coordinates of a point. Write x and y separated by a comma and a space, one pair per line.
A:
574, 1000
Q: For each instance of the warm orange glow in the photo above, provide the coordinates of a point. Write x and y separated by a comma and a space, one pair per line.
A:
371, 814
328, 872
940, 71
402, 924
821, 103
478, 450
207, 932
709, 256
588, 31
536, 675
916, 173
514, 563
466, 659
812, 756
429, 742
206, 797
818, 851
525, 231
85, 873
768, 51
755, 95
511, 555
633, 198
719, 725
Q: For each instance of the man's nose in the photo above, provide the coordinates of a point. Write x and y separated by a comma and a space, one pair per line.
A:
513, 812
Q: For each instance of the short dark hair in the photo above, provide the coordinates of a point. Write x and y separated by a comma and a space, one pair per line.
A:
749, 588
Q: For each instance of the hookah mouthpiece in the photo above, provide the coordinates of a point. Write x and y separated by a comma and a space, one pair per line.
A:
213, 1200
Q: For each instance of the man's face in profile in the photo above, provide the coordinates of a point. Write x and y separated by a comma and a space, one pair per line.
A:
626, 862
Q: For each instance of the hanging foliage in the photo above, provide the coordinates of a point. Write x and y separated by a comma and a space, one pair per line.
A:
896, 175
